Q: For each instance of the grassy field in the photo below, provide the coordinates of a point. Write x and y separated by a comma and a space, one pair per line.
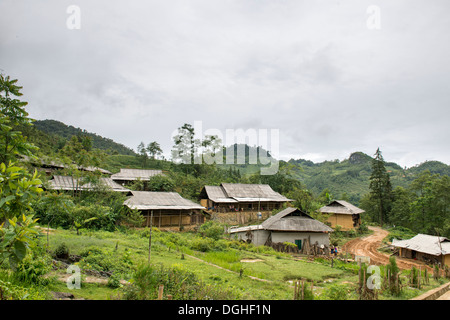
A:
266, 274
240, 270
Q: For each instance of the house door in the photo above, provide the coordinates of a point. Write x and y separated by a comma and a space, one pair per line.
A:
299, 244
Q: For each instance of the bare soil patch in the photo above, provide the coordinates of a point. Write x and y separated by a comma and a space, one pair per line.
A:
368, 247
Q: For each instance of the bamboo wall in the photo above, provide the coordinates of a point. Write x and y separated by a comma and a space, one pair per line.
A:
343, 220
167, 218
241, 206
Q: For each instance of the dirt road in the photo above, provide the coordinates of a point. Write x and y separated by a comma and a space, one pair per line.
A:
368, 247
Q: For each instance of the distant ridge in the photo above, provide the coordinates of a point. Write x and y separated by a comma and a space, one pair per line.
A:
57, 128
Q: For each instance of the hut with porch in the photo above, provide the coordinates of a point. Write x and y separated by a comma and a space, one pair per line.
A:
427, 248
343, 214
166, 209
289, 225
233, 197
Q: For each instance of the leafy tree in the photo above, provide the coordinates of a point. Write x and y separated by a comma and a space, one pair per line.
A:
429, 208
18, 189
380, 187
185, 145
154, 149
12, 115
400, 213
160, 183
142, 154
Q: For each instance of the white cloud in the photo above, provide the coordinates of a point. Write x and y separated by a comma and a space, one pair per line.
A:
309, 68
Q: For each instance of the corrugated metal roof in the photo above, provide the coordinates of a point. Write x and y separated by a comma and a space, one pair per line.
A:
341, 207
426, 244
149, 200
238, 192
134, 174
217, 194
291, 220
69, 183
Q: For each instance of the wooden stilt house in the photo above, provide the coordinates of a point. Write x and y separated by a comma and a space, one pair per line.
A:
166, 209
229, 197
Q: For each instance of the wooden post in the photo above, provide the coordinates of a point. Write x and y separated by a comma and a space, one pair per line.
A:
150, 238
295, 289
303, 289
419, 276
160, 292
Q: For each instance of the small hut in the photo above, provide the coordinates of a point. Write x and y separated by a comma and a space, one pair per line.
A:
343, 214
427, 248
167, 208
290, 225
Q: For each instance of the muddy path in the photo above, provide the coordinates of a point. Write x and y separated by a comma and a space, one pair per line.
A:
368, 247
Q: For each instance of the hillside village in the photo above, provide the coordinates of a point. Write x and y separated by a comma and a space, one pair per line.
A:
142, 228
241, 204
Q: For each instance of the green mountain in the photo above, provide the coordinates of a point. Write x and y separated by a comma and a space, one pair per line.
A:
59, 132
350, 178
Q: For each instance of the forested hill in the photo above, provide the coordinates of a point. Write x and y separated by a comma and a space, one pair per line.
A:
65, 132
346, 179
349, 178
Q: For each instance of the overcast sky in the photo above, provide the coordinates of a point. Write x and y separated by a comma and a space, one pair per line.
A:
333, 77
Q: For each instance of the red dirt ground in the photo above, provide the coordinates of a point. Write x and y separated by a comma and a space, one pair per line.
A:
368, 246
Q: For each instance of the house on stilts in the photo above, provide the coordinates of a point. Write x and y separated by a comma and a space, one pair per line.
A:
166, 209
233, 197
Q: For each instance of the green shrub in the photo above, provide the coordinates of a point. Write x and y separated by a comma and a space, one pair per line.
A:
201, 244
336, 292
61, 251
107, 261
212, 229
34, 267
114, 281
181, 284
11, 291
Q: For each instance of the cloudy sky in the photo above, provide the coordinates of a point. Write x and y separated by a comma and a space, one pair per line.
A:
333, 77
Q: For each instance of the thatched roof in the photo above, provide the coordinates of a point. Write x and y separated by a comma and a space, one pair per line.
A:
238, 192
149, 200
341, 207
69, 183
135, 174
289, 220
426, 244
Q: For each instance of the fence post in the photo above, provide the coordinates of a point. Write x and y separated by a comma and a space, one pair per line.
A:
160, 292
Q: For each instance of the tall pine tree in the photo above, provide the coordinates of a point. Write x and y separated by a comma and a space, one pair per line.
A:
380, 187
